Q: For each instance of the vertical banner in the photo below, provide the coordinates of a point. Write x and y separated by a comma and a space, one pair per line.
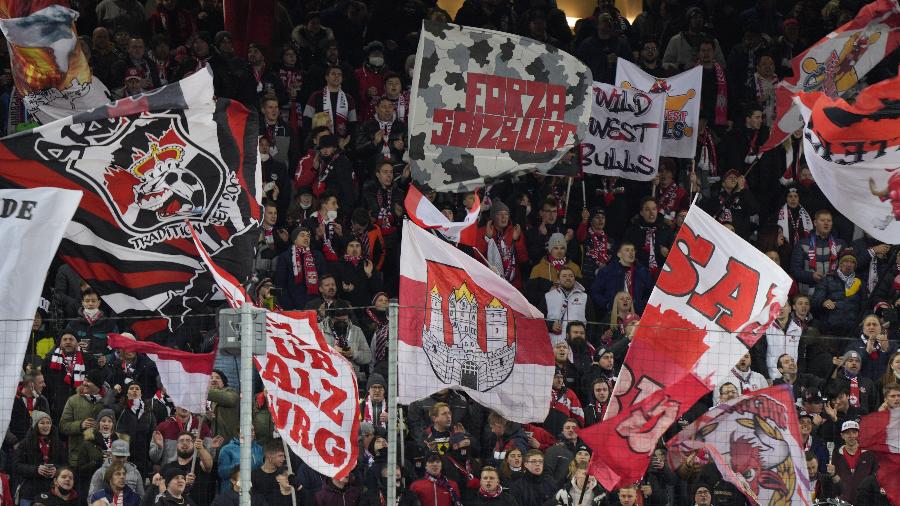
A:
624, 133
682, 116
32, 223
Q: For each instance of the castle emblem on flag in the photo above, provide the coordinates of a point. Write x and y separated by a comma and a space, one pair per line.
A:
466, 334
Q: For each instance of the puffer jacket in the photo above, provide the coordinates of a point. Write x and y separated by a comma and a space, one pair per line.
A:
330, 495
841, 320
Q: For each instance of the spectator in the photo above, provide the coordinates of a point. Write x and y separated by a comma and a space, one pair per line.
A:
333, 100
622, 275
809, 268
171, 483
534, 488
873, 347
596, 408
782, 337
846, 377
558, 456
581, 489
852, 464
600, 50
92, 327
259, 80
743, 378
61, 493
839, 296
370, 77
683, 47
175, 23
490, 492
564, 405
118, 456
435, 489
41, 458
649, 230
168, 436
513, 468
229, 458
327, 300
503, 244
298, 270
28, 400
597, 245
281, 149
81, 412
224, 402
347, 339
95, 448
103, 57
811, 442
115, 488
126, 15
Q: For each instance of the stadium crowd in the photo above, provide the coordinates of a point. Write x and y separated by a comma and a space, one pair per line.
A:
92, 425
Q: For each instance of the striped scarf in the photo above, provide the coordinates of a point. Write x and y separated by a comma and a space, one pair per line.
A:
72, 364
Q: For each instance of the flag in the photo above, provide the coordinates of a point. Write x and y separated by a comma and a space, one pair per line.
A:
249, 21
486, 104
32, 223
624, 133
879, 432
755, 442
713, 300
312, 392
145, 164
183, 374
836, 64
50, 70
681, 119
423, 213
853, 152
461, 326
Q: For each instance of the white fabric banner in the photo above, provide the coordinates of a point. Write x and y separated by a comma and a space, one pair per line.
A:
624, 133
32, 223
682, 115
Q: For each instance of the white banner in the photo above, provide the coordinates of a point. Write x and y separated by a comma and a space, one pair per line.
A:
682, 115
624, 133
32, 223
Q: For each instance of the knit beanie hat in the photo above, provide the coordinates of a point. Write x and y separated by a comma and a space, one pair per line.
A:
556, 239
37, 416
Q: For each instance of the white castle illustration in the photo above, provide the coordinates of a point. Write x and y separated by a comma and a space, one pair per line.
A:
464, 362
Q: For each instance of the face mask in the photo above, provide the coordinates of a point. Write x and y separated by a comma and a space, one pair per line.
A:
305, 206
91, 313
331, 215
264, 157
376, 61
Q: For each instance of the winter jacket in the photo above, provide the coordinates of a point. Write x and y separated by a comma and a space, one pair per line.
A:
572, 495
557, 458
851, 480
139, 431
800, 269
20, 418
143, 373
227, 420
611, 280
294, 295
362, 354
90, 453
636, 234
518, 250
843, 319
230, 457
533, 490
504, 499
95, 333
77, 409
462, 411
30, 458
681, 55
133, 478
432, 494
495, 448
565, 307
330, 495
129, 497
544, 271
57, 391
154, 498
871, 493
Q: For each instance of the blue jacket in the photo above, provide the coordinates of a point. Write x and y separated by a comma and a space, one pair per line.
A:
293, 295
611, 280
230, 457
130, 497
844, 318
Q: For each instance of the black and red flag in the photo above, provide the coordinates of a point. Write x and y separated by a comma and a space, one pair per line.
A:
145, 164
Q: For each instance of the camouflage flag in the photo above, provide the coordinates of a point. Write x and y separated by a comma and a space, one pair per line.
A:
486, 104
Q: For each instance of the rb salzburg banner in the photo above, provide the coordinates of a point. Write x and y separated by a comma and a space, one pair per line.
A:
461, 326
836, 64
312, 392
50, 70
682, 94
32, 223
145, 164
624, 133
853, 152
715, 297
423, 213
485, 104
754, 440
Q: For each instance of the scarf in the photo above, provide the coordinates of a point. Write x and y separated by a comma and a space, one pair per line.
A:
93, 316
872, 278
753, 153
355, 260
136, 406
832, 253
380, 337
105, 441
490, 495
709, 158
268, 236
385, 218
743, 379
44, 447
650, 247
851, 283
304, 266
765, 96
340, 112
369, 411
166, 401
93, 398
597, 246
73, 365
556, 263
721, 111
507, 257
854, 388
629, 280
667, 201
385, 127
443, 482
791, 159
795, 228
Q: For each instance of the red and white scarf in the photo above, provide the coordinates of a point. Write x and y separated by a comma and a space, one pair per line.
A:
795, 230
629, 279
668, 198
721, 110
269, 236
166, 401
385, 199
136, 406
304, 267
743, 380
369, 414
709, 158
556, 263
832, 253
72, 364
340, 112
765, 96
597, 246
507, 256
385, 127
650, 247
854, 388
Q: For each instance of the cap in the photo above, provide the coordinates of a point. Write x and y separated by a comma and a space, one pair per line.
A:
376, 379
851, 354
296, 232
497, 206
95, 376
106, 413
170, 472
120, 448
222, 35
583, 448
847, 253
850, 425
133, 73
814, 397
375, 45
37, 416
555, 240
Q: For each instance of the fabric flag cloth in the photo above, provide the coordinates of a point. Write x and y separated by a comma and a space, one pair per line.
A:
853, 152
249, 21
755, 442
50, 70
681, 119
31, 228
879, 432
836, 64
463, 327
486, 104
312, 392
423, 213
624, 133
183, 374
145, 164
713, 300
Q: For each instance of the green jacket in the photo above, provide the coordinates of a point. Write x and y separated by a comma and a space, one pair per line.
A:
77, 410
228, 413
263, 424
89, 453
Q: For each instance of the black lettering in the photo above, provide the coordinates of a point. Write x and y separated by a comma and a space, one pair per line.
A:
25, 212
9, 208
609, 161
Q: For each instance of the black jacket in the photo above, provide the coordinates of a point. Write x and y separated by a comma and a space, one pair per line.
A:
29, 458
533, 490
20, 418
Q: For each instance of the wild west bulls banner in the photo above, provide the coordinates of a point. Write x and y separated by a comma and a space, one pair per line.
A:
50, 70
836, 64
853, 152
145, 164
682, 96
624, 133
485, 104
461, 326
754, 441
31, 225
714, 298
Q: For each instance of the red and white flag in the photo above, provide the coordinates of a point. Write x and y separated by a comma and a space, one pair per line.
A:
463, 327
184, 375
424, 214
835, 64
714, 298
312, 391
754, 440
879, 432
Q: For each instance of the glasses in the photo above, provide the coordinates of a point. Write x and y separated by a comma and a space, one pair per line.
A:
534, 462
703, 492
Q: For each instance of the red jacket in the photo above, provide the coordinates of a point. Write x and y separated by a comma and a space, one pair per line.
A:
431, 494
521, 252
367, 78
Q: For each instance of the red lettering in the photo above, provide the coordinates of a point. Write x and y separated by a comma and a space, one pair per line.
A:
331, 403
463, 126
529, 134
321, 361
334, 453
538, 94
556, 102
277, 372
495, 95
679, 277
475, 87
300, 428
565, 130
515, 88
281, 347
730, 301
509, 133
280, 409
444, 118
490, 132
549, 139
303, 390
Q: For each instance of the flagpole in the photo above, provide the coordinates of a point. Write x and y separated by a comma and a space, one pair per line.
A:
290, 466
246, 420
199, 432
566, 207
393, 310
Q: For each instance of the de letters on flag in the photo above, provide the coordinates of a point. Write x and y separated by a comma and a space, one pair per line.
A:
681, 119
485, 104
624, 133
714, 298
